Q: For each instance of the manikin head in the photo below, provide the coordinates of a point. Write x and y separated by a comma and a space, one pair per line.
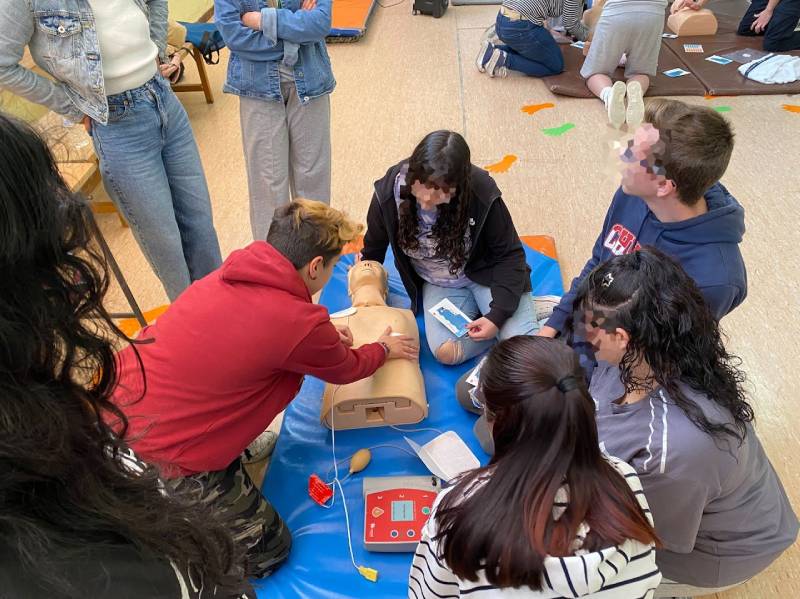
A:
368, 284
311, 236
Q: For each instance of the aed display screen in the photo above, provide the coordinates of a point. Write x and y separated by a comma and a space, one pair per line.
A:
402, 511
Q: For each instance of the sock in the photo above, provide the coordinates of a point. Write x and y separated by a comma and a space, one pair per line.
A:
605, 94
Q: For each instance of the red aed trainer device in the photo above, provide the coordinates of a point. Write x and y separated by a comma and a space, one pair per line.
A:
395, 510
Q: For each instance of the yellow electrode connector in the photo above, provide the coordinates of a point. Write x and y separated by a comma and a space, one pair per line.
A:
369, 573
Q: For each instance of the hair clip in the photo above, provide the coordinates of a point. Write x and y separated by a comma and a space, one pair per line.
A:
608, 279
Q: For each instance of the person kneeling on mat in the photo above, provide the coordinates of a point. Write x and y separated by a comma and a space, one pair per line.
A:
776, 20
230, 354
671, 403
551, 515
523, 41
631, 28
452, 237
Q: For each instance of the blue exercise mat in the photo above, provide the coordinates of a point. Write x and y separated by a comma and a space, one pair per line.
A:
319, 565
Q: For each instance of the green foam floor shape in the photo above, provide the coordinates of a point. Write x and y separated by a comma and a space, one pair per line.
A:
556, 131
723, 108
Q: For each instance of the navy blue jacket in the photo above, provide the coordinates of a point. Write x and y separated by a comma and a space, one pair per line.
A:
707, 246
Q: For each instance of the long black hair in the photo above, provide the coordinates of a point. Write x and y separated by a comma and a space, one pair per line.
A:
64, 482
650, 296
545, 437
442, 158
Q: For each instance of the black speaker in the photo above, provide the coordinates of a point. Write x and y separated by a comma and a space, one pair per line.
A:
430, 7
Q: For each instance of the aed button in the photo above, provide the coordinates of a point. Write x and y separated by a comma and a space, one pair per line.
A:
426, 510
410, 533
394, 534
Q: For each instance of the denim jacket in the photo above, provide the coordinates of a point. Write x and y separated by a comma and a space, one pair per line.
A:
289, 35
63, 41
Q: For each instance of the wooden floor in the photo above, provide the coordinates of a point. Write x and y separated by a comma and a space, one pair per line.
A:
411, 75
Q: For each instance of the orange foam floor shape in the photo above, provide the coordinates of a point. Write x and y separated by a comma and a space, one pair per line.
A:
354, 246
544, 244
130, 326
503, 165
350, 14
534, 108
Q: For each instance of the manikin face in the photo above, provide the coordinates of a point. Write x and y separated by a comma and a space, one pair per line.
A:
609, 342
640, 174
367, 272
430, 194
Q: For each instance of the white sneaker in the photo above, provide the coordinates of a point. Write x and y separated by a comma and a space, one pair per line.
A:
616, 105
261, 448
544, 305
634, 115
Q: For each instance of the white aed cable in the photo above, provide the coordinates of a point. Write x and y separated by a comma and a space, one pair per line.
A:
369, 573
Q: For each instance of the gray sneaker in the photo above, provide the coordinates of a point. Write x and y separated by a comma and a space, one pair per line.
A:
261, 448
484, 54
496, 67
490, 35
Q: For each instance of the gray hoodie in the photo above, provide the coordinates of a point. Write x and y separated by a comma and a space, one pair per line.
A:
719, 508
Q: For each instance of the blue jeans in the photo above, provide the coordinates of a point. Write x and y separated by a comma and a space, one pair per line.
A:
473, 300
780, 34
530, 47
151, 169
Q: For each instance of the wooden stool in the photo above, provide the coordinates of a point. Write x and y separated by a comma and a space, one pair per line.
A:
204, 85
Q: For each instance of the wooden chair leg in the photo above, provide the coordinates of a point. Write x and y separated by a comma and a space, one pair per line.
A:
201, 70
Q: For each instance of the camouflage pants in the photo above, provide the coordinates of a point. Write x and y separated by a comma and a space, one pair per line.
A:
255, 523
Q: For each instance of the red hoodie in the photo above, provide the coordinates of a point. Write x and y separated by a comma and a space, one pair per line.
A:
228, 356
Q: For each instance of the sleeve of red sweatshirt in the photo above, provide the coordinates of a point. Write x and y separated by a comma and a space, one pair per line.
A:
323, 355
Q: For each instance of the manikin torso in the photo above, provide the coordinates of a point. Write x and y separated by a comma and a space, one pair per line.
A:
693, 22
395, 394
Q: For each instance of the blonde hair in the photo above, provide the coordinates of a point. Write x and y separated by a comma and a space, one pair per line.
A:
304, 229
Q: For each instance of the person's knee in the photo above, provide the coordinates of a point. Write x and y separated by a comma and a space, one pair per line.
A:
557, 64
269, 553
773, 43
463, 394
450, 352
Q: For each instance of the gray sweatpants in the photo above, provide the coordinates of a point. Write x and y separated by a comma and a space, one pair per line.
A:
287, 151
636, 34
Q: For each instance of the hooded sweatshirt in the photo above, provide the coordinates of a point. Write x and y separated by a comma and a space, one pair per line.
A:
617, 572
496, 258
706, 246
225, 359
720, 509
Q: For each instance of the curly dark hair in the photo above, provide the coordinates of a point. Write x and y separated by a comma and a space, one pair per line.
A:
672, 330
64, 482
443, 158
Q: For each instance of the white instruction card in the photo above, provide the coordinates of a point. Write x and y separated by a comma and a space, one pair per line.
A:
451, 317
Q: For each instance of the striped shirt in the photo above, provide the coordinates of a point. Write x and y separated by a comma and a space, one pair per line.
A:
538, 11
626, 571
